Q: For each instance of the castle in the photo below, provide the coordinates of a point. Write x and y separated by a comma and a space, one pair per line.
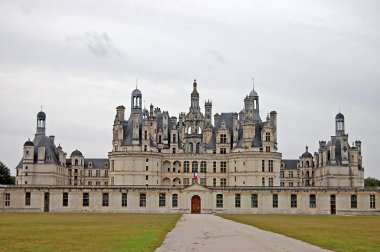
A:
198, 162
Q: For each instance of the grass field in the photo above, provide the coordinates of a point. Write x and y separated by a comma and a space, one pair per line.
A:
339, 233
83, 232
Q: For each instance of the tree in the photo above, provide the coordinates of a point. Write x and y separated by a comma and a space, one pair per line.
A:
371, 182
5, 175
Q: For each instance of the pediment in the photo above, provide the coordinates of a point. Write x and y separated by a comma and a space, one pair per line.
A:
196, 187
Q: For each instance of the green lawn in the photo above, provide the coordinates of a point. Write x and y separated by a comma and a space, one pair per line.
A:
339, 233
83, 231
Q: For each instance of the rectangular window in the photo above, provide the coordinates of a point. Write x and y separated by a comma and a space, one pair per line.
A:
161, 200
7, 199
214, 167
89, 183
270, 181
27, 198
112, 165
219, 200
175, 200
223, 150
282, 183
124, 200
267, 136
203, 167
223, 138
97, 183
97, 173
223, 167
263, 165
142, 200
270, 165
203, 181
263, 181
293, 201
254, 201
214, 182
86, 199
267, 148
372, 201
146, 177
65, 199
290, 184
106, 173
90, 173
275, 201
106, 198
290, 174
237, 200
312, 201
281, 174
223, 182
354, 201
186, 181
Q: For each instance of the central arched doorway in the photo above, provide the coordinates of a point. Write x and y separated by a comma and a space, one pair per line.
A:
195, 204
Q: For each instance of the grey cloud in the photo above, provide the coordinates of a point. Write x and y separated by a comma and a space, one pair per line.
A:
98, 43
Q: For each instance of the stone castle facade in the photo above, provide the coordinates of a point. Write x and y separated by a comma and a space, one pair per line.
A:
224, 154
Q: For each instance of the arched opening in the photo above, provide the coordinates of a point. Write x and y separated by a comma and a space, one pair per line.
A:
166, 181
176, 166
195, 204
166, 166
191, 148
177, 182
198, 147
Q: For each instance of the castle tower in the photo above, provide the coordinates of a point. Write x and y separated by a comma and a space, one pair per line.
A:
208, 113
195, 98
136, 113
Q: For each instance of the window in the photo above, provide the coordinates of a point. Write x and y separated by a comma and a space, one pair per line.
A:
186, 167
112, 180
105, 199
145, 148
124, 200
186, 181
106, 173
290, 174
214, 182
203, 181
263, 181
354, 201
7, 199
174, 138
223, 167
97, 183
197, 148
89, 183
281, 174
175, 200
27, 198
267, 137
293, 201
65, 199
254, 201
270, 181
237, 200
270, 165
145, 135
223, 182
223, 150
214, 167
86, 199
219, 200
282, 183
90, 173
275, 201
142, 200
312, 201
161, 200
223, 138
194, 166
173, 150
290, 184
146, 177
203, 167
97, 173
267, 149
112, 165
263, 165
372, 201
159, 139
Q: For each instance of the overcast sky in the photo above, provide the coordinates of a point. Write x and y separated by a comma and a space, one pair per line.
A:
81, 59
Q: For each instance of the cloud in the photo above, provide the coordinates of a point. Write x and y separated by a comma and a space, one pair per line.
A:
98, 43
216, 55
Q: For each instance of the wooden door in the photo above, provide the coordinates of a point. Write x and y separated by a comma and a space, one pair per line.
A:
195, 204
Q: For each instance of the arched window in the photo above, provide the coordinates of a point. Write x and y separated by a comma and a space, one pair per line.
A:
194, 166
186, 167
191, 148
76, 162
203, 167
198, 147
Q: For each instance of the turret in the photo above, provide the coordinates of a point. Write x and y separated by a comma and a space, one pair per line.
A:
208, 113
41, 123
339, 124
195, 97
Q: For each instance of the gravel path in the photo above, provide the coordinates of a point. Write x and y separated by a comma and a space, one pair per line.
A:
207, 232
